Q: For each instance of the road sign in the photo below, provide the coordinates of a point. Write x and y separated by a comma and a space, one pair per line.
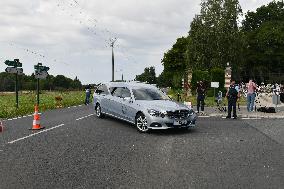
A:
41, 74
14, 63
215, 84
40, 67
14, 70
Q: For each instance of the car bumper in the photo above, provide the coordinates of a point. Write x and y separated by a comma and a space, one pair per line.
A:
168, 123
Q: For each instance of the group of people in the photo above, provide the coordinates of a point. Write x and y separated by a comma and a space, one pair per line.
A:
232, 94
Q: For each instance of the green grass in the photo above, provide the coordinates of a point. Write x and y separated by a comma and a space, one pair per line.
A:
28, 100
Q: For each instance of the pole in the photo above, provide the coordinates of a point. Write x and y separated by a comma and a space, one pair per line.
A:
16, 89
214, 96
112, 78
112, 45
37, 97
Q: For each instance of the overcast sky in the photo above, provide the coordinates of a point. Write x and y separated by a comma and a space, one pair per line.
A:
72, 36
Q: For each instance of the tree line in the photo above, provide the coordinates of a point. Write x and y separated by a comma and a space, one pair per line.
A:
253, 46
28, 82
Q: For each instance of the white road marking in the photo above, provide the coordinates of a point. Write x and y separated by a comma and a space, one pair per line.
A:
84, 117
245, 118
204, 116
80, 105
19, 139
10, 119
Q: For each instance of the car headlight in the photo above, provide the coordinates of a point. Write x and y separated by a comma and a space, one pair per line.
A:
156, 113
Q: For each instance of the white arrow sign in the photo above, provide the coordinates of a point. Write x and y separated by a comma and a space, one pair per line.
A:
14, 70
41, 75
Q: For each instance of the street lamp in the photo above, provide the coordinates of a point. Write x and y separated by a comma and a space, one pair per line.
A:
112, 41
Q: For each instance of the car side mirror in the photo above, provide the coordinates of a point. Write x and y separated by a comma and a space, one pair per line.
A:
128, 99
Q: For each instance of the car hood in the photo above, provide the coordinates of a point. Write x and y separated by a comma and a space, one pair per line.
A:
161, 105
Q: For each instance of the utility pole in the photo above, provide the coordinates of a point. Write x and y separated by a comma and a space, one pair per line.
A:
112, 41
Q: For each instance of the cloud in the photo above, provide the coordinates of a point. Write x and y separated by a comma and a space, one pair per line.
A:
74, 37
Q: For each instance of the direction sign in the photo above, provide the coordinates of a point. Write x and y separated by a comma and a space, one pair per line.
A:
40, 67
14, 70
14, 63
41, 75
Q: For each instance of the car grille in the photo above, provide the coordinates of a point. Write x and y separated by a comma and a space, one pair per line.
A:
178, 114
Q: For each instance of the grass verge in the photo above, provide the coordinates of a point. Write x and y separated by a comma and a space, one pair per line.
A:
28, 100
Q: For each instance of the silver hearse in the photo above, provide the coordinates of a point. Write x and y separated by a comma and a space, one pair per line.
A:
143, 105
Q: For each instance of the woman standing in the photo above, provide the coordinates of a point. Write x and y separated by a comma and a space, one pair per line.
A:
251, 95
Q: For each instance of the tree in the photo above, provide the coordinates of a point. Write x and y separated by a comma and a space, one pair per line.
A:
148, 76
264, 37
214, 38
175, 63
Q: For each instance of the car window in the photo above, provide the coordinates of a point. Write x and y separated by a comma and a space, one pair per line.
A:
121, 92
102, 89
125, 93
149, 94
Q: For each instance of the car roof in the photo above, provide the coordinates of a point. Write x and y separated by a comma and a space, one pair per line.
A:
132, 84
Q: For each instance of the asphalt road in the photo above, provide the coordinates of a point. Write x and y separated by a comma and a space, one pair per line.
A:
78, 150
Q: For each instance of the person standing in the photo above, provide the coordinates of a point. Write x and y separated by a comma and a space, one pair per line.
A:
200, 90
251, 95
88, 94
232, 95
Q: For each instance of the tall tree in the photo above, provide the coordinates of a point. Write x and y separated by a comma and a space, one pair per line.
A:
214, 38
175, 62
148, 76
264, 35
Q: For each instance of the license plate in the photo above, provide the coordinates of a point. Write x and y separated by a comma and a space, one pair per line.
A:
180, 122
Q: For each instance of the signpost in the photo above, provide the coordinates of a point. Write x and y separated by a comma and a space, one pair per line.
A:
15, 68
40, 73
215, 85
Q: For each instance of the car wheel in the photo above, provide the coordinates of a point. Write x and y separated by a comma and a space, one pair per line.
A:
141, 123
99, 113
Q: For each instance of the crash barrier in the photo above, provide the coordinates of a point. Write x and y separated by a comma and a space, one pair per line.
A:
36, 121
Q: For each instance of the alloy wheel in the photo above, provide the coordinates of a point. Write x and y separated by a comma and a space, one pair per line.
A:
141, 123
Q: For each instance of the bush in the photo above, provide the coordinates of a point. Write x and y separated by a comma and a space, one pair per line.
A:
218, 75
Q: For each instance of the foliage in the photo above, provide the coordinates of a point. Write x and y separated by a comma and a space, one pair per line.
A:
264, 35
149, 76
163, 81
26, 82
199, 75
214, 35
218, 75
175, 63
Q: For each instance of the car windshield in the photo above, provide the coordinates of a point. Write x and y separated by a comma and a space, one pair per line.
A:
149, 94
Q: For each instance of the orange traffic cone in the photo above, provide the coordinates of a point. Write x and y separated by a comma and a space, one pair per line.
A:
1, 127
36, 122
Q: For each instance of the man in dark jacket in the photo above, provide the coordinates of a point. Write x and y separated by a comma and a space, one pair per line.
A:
232, 95
200, 90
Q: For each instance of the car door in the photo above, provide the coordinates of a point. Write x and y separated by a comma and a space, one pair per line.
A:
103, 93
128, 110
116, 101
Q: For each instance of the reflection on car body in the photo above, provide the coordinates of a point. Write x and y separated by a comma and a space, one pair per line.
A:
143, 105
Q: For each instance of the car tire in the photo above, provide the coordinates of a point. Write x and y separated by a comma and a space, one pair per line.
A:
99, 113
141, 123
